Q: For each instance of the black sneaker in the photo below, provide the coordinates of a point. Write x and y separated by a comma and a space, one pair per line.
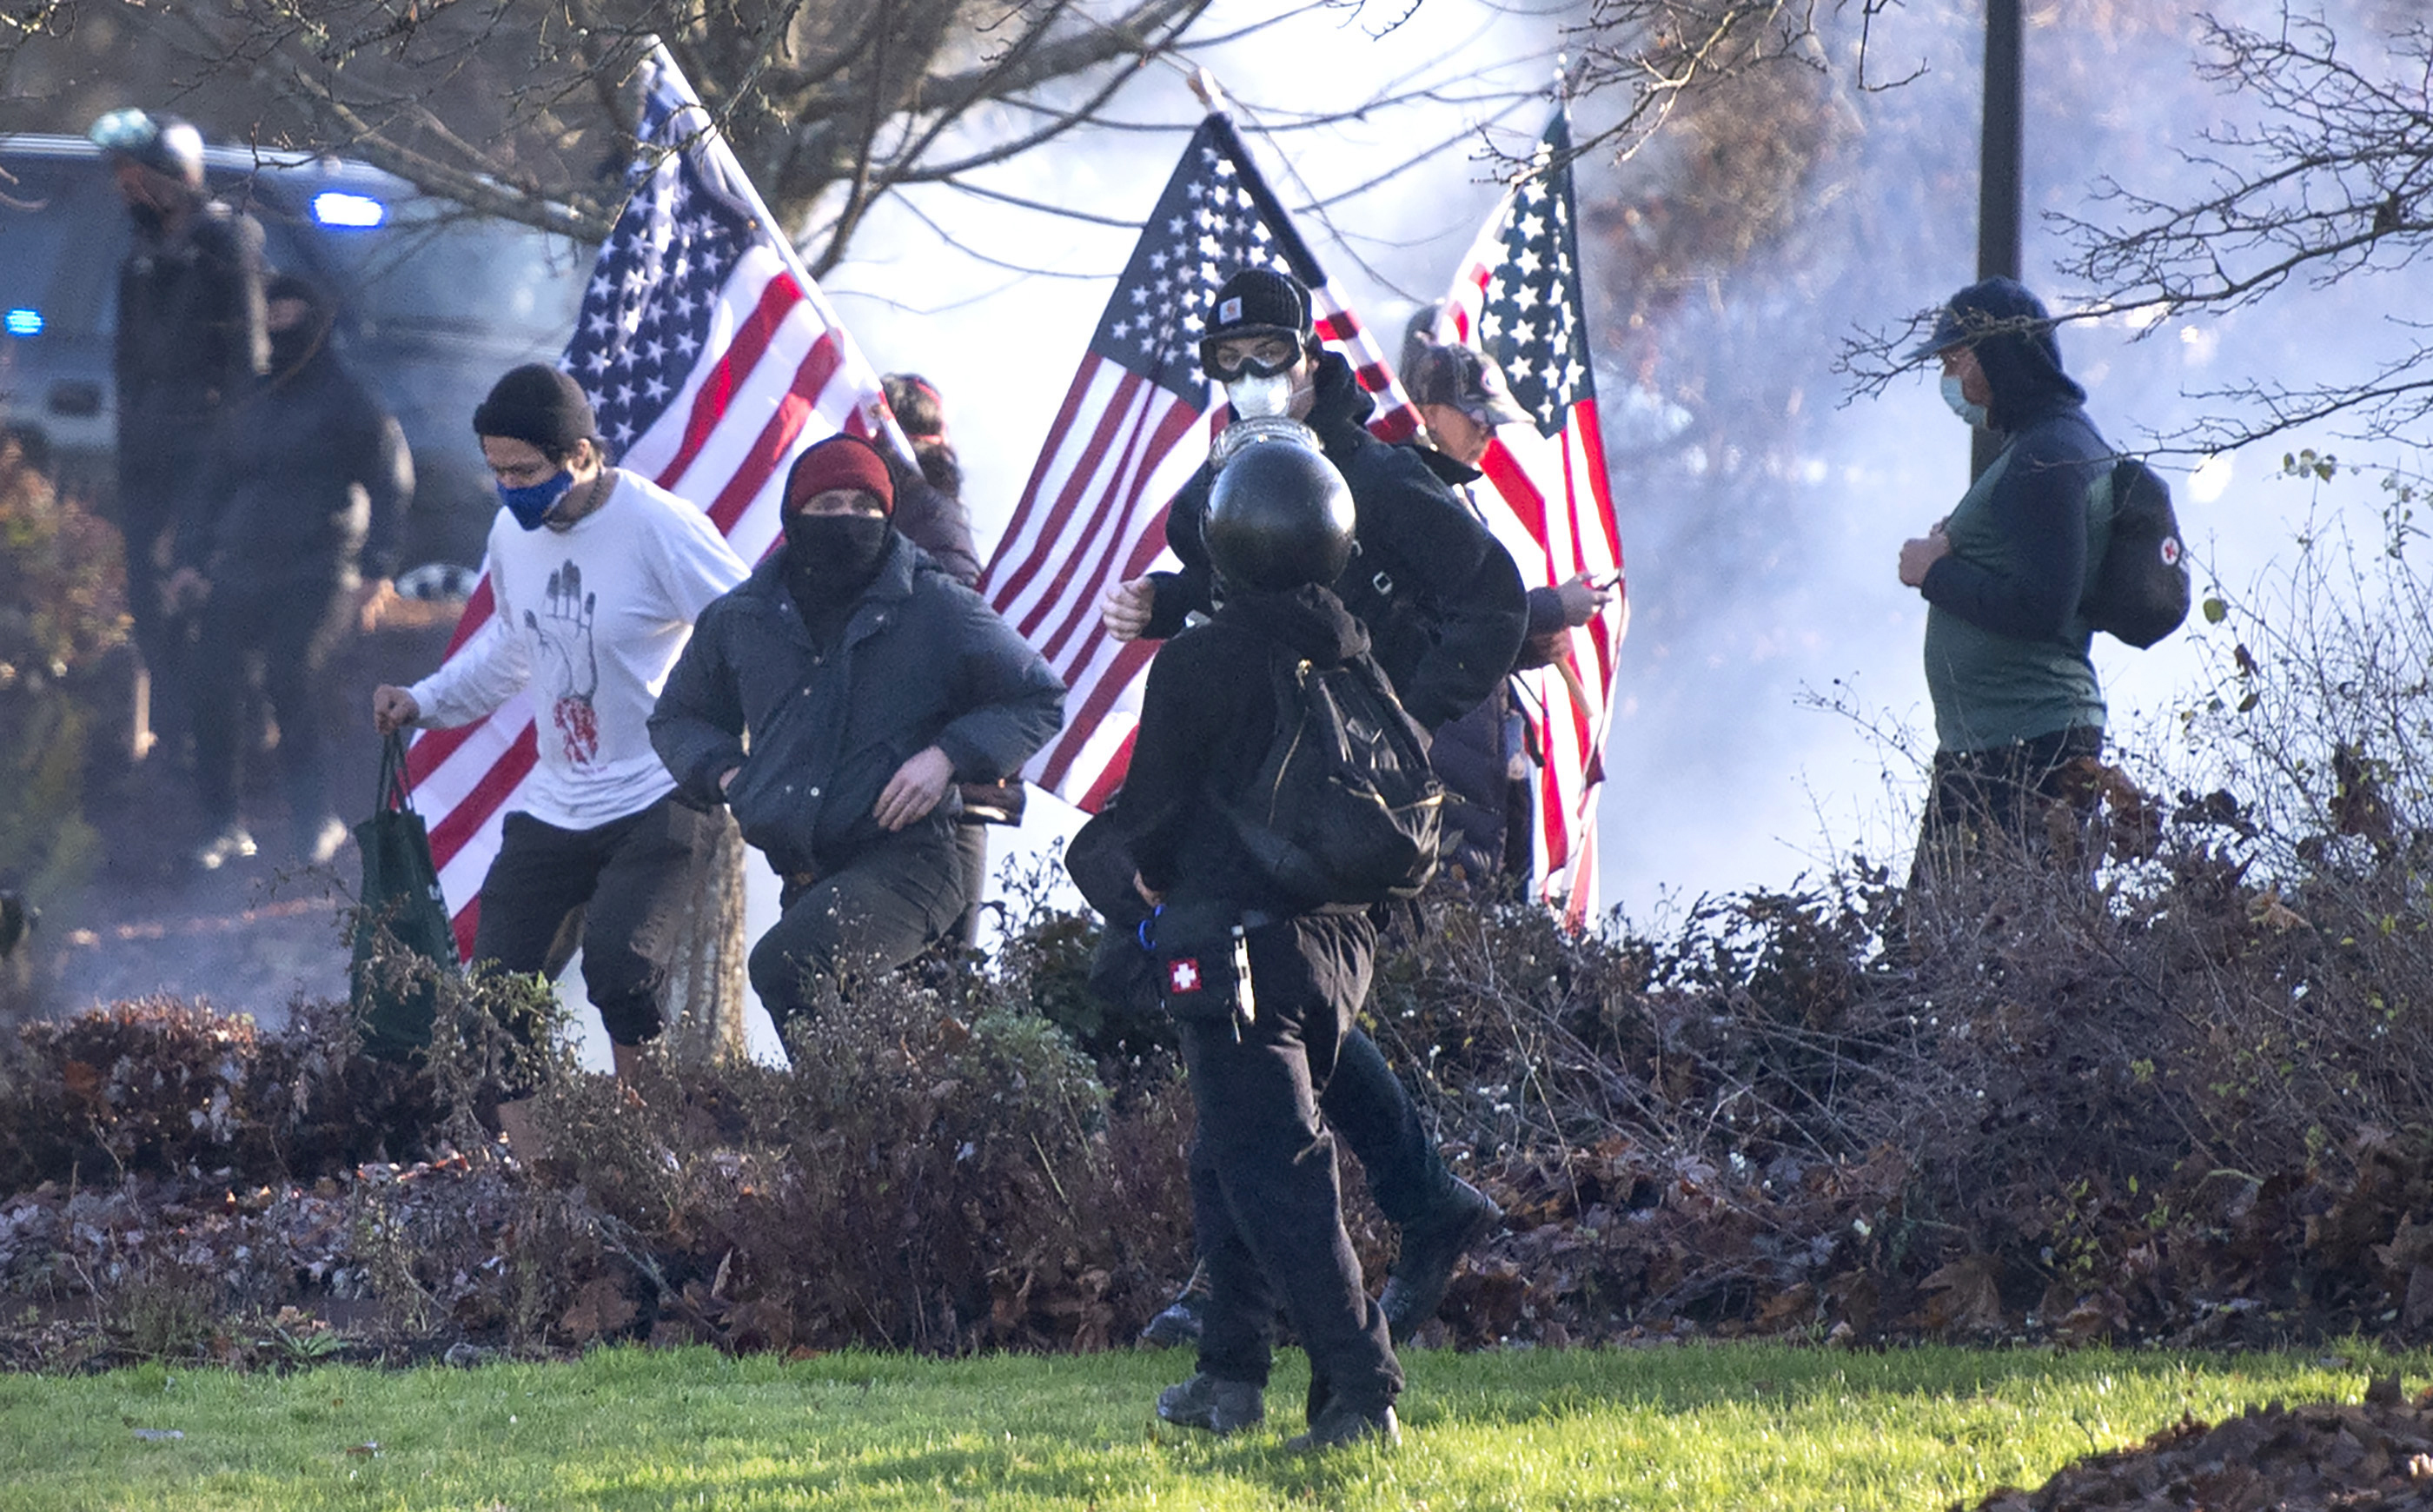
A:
1182, 1322
1432, 1247
1340, 1424
1213, 1405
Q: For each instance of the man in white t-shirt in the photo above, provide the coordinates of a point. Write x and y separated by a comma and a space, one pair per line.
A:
597, 575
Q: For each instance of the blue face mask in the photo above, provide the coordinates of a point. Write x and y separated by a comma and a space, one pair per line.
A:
531, 506
1974, 414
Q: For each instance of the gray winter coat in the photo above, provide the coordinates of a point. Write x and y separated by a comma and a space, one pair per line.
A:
923, 661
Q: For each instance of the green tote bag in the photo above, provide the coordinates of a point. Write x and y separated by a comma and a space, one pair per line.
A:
404, 939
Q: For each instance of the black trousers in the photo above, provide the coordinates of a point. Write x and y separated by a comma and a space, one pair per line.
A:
1372, 1111
287, 635
1264, 1197
1368, 1106
884, 908
629, 881
2015, 802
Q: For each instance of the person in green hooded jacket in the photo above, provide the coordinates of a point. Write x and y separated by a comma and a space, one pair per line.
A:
2017, 706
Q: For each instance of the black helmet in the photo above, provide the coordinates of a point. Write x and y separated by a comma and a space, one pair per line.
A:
1279, 516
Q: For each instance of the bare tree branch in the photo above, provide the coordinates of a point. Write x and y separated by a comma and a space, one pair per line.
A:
1065, 211
526, 111
2337, 180
978, 256
2333, 181
1141, 33
1650, 52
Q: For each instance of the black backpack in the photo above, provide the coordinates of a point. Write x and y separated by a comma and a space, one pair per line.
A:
2141, 590
1345, 808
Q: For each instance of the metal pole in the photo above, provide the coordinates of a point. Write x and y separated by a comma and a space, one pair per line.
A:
1999, 172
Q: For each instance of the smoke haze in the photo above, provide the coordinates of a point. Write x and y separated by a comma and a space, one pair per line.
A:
1772, 652
1760, 509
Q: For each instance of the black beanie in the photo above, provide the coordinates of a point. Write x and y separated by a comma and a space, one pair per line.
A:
1258, 302
539, 404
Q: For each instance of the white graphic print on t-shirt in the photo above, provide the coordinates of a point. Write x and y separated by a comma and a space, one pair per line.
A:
570, 661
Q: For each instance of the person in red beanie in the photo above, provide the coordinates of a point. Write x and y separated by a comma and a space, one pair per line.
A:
832, 702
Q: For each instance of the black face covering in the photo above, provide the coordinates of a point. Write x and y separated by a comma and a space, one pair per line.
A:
291, 349
832, 558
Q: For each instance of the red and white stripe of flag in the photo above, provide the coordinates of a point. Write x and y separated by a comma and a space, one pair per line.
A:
1092, 516
1557, 518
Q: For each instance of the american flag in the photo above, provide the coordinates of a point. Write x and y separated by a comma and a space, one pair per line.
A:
1129, 437
712, 360
1518, 301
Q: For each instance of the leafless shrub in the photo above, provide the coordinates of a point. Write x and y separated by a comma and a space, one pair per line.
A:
917, 1180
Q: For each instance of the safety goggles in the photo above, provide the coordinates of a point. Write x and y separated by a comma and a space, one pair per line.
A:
1229, 359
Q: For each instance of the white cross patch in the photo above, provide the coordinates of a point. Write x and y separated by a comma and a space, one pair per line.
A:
1183, 976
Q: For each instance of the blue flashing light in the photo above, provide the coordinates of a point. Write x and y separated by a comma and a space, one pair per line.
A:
23, 322
332, 206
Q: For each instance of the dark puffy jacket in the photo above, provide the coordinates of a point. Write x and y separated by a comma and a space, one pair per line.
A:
191, 334
933, 517
934, 520
309, 476
1441, 599
923, 661
1473, 754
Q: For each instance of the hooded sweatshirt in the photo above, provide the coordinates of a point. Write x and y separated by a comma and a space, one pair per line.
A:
308, 480
1208, 716
2007, 643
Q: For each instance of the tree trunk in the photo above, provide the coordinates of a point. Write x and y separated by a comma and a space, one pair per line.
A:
705, 992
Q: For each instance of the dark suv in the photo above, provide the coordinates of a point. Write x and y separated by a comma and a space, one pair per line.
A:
434, 304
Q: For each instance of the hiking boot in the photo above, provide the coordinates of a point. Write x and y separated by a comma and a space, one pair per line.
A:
1213, 1405
1340, 1424
1432, 1247
230, 845
1180, 1323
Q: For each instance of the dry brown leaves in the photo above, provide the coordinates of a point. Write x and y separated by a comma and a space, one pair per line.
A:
2373, 1458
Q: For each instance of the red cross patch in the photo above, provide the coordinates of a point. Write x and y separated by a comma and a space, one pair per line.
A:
1183, 976
2170, 550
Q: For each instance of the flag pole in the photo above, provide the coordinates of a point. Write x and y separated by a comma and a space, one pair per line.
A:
1212, 94
738, 184
742, 184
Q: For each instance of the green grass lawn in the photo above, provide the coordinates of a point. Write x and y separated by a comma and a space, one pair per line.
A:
1727, 1427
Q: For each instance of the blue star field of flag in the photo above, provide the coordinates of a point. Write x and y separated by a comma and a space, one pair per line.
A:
1533, 323
1205, 229
646, 314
